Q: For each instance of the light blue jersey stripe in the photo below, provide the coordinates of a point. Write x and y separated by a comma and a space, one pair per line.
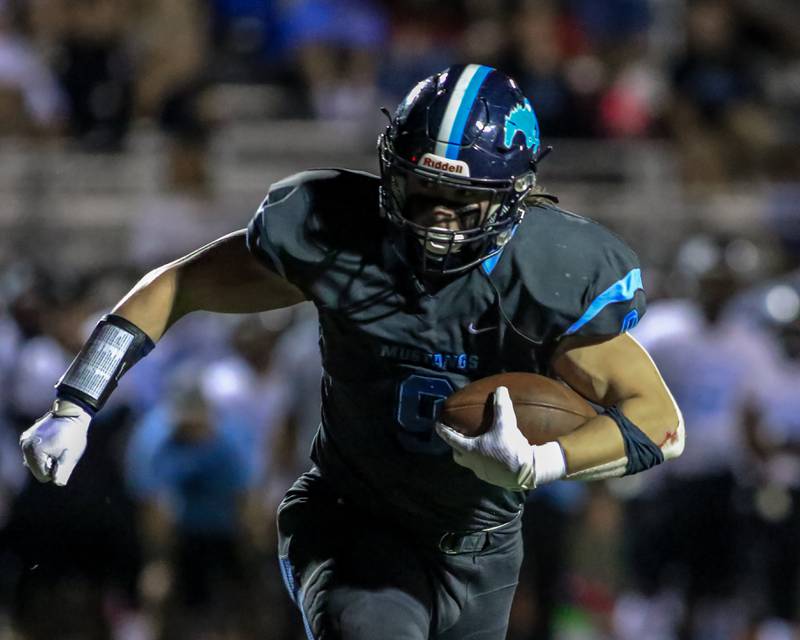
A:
288, 579
490, 263
306, 623
620, 291
295, 593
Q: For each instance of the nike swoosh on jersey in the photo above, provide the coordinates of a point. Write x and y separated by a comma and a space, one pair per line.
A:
476, 330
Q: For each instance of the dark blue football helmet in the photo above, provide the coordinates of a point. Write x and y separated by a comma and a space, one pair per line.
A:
469, 129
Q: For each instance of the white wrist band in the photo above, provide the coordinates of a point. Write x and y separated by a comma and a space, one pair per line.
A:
549, 463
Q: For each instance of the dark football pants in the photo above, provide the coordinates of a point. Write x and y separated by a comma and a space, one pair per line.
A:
354, 579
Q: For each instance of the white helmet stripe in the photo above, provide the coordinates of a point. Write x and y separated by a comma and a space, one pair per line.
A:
460, 104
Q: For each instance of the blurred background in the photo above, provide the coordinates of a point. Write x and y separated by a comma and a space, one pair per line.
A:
132, 131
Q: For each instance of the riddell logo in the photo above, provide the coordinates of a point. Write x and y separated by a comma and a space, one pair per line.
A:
438, 163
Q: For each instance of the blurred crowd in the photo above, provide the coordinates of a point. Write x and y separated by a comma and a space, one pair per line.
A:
719, 77
167, 527
167, 530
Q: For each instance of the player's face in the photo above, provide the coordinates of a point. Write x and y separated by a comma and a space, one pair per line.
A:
439, 206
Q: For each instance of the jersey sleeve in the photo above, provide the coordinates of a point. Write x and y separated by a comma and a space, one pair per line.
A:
281, 233
614, 300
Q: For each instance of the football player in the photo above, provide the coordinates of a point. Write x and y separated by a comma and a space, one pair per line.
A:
446, 268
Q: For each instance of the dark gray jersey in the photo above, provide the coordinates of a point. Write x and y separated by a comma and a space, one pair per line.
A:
394, 349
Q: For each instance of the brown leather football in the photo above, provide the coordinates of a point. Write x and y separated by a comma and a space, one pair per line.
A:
546, 409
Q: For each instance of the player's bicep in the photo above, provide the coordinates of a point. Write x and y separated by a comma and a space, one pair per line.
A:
606, 369
224, 276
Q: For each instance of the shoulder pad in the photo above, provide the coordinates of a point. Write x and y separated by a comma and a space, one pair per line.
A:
308, 216
584, 276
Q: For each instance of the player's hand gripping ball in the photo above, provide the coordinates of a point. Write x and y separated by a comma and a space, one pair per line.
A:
493, 428
545, 408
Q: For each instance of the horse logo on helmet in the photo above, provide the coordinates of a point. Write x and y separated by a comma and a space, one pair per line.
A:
522, 120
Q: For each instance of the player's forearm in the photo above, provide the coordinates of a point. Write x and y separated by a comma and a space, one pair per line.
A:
150, 305
595, 443
599, 441
222, 276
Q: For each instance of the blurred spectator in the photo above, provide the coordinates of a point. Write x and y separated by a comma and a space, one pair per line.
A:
272, 379
199, 339
336, 44
81, 567
612, 25
84, 559
685, 522
190, 469
96, 71
12, 480
172, 41
485, 33
717, 116
782, 204
10, 341
423, 42
772, 497
770, 28
248, 42
296, 360
250, 378
30, 99
256, 382
185, 213
563, 86
49, 312
630, 107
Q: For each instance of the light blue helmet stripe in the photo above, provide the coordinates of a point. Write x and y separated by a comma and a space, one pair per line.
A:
459, 108
451, 110
620, 291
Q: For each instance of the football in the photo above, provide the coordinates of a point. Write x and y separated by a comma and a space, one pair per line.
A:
546, 409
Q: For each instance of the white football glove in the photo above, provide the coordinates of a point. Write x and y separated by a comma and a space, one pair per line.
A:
53, 445
502, 456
